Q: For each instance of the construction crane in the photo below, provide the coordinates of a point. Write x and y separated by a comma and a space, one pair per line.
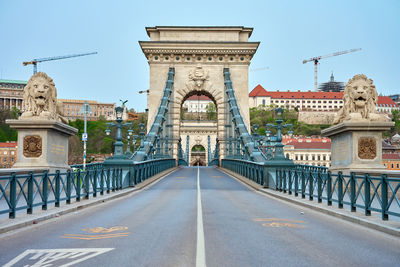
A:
34, 62
317, 59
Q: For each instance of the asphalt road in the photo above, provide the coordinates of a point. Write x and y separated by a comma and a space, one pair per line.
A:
162, 226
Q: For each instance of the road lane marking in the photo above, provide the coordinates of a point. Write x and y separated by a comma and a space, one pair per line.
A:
55, 257
200, 250
280, 222
216, 176
99, 233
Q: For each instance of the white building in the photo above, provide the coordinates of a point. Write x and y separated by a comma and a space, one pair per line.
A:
197, 103
309, 101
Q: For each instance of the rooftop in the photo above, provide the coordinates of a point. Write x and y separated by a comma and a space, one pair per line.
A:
392, 156
13, 81
8, 144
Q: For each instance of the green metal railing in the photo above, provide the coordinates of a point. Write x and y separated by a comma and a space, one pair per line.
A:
369, 193
25, 191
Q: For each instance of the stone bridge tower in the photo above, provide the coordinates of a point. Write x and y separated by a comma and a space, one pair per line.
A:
198, 55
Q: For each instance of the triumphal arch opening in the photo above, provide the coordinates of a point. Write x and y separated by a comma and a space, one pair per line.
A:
199, 55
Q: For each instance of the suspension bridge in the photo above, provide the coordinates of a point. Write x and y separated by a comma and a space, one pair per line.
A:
247, 207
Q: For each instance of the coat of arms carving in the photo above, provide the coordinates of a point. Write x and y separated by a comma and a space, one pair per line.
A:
366, 148
32, 146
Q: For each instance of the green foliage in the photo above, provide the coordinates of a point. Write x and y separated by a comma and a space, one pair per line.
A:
396, 128
98, 141
211, 111
6, 133
265, 115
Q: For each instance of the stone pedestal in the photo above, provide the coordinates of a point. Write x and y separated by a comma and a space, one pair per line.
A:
42, 144
357, 146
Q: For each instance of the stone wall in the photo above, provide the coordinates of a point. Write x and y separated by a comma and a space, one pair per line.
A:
320, 117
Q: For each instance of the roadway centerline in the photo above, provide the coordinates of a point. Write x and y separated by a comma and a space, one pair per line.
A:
200, 250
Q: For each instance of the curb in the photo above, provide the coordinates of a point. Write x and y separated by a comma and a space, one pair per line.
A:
353, 219
56, 212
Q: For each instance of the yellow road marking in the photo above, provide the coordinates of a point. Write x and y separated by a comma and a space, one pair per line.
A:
99, 233
280, 222
93, 237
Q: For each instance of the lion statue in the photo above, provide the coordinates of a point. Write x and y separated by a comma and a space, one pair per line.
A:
40, 99
359, 101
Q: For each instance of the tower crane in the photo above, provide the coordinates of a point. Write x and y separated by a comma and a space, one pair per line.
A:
34, 62
317, 59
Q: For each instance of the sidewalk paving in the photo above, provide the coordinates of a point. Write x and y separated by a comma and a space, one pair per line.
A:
22, 219
374, 221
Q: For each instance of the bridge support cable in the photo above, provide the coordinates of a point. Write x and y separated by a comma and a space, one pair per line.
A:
150, 139
249, 150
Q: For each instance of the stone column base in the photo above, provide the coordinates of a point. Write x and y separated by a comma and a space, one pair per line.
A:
357, 146
42, 144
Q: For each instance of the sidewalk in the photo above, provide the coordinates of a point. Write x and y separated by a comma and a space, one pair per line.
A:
22, 219
373, 222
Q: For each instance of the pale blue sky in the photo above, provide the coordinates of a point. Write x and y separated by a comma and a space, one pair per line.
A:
289, 31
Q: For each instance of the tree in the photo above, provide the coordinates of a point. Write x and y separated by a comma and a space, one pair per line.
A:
211, 111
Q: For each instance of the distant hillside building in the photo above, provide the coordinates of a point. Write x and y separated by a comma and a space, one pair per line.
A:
197, 103
332, 86
72, 107
11, 92
310, 101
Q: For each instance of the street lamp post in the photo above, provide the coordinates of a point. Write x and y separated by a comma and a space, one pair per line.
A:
279, 155
85, 109
118, 145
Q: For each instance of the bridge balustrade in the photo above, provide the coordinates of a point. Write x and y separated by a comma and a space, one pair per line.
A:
25, 191
367, 192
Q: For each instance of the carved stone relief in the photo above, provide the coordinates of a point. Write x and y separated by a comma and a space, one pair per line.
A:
366, 148
32, 146
198, 79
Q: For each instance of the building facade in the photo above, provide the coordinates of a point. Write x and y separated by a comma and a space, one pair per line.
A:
8, 154
309, 151
391, 161
72, 107
11, 92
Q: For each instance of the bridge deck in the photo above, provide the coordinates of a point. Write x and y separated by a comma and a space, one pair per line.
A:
160, 227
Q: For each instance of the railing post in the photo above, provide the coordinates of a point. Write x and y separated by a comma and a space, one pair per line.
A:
13, 196
30, 194
384, 196
108, 180
44, 189
284, 172
113, 178
367, 195
329, 188
319, 184
290, 172
102, 182
57, 191
94, 184
78, 185
87, 185
303, 184
310, 185
352, 192
68, 190
340, 189
266, 177
296, 183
